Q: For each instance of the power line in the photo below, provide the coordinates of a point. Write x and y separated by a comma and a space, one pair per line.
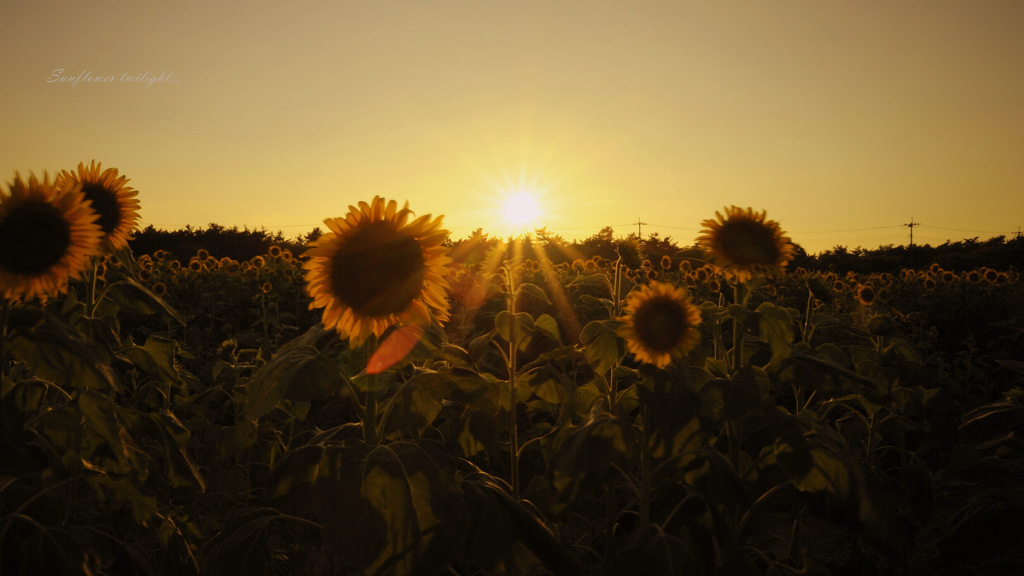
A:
961, 229
847, 230
833, 231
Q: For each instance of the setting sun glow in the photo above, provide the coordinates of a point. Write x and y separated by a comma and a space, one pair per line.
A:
520, 211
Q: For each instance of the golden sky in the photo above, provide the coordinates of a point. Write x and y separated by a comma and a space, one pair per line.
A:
844, 120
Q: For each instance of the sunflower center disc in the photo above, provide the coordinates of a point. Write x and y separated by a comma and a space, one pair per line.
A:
104, 203
660, 324
748, 242
378, 271
33, 238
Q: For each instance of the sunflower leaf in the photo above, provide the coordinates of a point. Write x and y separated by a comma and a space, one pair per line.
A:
59, 354
519, 327
601, 345
532, 291
298, 371
549, 326
127, 295
775, 326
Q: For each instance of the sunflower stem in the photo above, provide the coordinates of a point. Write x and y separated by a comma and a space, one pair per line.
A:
370, 412
739, 297
734, 428
808, 330
613, 384
92, 285
5, 316
645, 472
512, 358
734, 431
360, 409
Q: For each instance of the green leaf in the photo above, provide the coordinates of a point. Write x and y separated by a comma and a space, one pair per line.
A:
299, 364
293, 476
529, 290
548, 326
156, 357
828, 474
605, 303
814, 373
589, 394
130, 296
497, 523
601, 345
587, 453
240, 546
55, 352
1009, 406
385, 509
902, 349
521, 325
479, 432
416, 404
734, 398
671, 409
775, 326
549, 390
479, 391
179, 468
100, 414
121, 493
479, 347
738, 312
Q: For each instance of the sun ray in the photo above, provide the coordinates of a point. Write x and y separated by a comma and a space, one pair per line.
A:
557, 293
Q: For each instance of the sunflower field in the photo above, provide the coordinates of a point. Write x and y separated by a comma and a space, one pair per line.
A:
382, 403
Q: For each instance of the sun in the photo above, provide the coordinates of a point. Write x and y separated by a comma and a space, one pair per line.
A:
518, 204
521, 210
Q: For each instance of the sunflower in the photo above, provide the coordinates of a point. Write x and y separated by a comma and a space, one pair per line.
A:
866, 295
47, 237
743, 244
376, 269
110, 198
659, 322
884, 295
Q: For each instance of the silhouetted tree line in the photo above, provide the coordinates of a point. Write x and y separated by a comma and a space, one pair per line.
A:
998, 252
217, 240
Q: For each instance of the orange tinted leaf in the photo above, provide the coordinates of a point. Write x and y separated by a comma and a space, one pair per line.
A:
394, 348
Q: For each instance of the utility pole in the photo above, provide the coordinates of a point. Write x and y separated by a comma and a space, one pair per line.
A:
911, 226
639, 232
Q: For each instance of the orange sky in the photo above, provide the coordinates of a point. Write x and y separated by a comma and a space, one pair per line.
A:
843, 120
